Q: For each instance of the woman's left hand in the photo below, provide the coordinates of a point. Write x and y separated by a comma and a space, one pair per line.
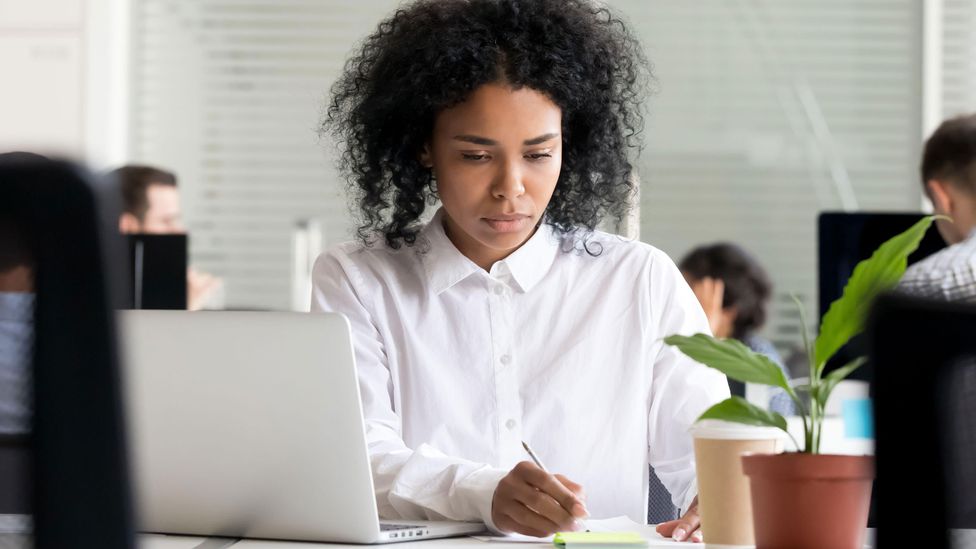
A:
686, 528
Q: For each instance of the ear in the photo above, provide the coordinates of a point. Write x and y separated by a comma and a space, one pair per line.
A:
129, 223
940, 196
425, 159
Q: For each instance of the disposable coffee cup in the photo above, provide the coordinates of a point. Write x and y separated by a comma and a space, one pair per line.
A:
724, 500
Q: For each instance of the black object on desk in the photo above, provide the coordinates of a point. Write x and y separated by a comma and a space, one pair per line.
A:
157, 265
79, 488
844, 239
924, 394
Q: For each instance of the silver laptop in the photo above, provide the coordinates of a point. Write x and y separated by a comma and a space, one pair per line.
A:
249, 424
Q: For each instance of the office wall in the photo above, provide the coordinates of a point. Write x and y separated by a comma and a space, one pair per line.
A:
42, 52
65, 80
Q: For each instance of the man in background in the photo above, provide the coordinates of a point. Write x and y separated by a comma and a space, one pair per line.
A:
16, 316
151, 205
949, 178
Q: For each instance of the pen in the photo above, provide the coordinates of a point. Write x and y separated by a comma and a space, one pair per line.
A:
538, 462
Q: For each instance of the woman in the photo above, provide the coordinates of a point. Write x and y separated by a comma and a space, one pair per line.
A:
508, 317
734, 291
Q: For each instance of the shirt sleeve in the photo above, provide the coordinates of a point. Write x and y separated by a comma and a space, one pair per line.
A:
918, 281
681, 389
420, 483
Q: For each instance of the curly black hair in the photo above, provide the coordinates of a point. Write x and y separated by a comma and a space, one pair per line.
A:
432, 54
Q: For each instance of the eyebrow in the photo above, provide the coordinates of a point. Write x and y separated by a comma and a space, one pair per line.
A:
491, 142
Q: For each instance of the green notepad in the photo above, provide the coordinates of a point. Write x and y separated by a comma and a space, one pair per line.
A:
590, 540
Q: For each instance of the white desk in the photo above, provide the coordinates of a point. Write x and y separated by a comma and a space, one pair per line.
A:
961, 538
187, 542
181, 542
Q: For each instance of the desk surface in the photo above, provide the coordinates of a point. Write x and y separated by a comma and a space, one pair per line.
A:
961, 538
182, 542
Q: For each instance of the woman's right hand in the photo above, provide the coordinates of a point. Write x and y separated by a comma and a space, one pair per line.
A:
533, 502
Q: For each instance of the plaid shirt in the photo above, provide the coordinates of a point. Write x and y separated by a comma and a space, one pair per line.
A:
16, 345
948, 275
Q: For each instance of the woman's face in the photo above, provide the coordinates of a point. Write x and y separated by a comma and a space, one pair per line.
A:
496, 158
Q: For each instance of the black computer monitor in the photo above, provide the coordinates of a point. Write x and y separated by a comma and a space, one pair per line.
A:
157, 265
924, 393
844, 239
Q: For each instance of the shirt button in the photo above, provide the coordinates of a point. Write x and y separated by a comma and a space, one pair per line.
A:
510, 424
506, 360
499, 290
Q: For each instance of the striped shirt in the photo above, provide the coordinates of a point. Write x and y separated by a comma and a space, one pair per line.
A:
949, 275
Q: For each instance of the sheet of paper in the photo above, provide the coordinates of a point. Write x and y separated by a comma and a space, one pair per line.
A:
615, 524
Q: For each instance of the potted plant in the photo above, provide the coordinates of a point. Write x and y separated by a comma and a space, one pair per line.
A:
808, 499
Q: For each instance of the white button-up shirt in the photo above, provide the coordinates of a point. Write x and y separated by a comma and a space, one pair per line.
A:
457, 366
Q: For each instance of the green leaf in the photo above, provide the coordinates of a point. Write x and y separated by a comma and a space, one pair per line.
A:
730, 357
825, 387
880, 272
739, 410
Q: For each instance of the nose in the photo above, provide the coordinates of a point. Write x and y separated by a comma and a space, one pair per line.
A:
508, 182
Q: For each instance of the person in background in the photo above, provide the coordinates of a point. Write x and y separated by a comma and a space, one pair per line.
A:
16, 330
16, 319
151, 205
949, 178
734, 291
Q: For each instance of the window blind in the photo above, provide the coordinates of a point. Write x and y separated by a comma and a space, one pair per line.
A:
769, 112
765, 113
958, 57
229, 94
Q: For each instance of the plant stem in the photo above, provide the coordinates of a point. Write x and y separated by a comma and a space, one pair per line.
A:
808, 432
815, 419
801, 409
818, 426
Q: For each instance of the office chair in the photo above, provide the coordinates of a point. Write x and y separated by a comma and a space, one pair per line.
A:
79, 490
924, 390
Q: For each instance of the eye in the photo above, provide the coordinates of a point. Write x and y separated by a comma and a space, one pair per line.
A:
474, 156
537, 156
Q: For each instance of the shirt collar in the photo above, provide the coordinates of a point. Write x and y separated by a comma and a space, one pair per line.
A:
445, 265
530, 263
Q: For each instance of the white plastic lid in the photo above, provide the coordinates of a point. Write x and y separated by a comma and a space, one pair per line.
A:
727, 430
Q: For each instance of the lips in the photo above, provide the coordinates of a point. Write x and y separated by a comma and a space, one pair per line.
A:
507, 223
506, 217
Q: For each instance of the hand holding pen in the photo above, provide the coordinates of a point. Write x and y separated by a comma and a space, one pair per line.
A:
530, 501
538, 462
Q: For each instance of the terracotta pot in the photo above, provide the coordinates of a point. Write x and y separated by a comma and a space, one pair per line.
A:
802, 501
